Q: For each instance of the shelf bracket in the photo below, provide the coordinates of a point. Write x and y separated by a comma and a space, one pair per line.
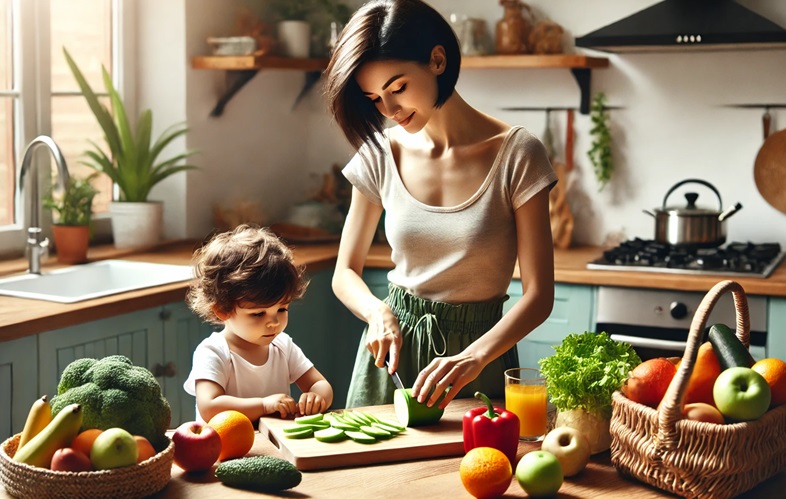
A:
311, 78
583, 78
236, 79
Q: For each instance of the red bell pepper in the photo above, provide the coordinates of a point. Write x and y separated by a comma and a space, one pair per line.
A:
491, 427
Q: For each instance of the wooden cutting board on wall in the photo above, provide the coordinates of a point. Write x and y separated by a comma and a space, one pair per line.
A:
440, 440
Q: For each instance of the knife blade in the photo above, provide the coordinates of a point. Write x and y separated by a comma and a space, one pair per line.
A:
395, 377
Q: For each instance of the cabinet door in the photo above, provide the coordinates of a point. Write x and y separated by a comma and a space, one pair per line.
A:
573, 312
18, 383
327, 332
135, 335
182, 332
776, 328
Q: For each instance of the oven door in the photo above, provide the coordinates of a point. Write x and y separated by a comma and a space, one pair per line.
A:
656, 323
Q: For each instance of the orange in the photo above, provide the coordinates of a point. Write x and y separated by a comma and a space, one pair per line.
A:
236, 432
774, 371
146, 450
485, 472
702, 379
649, 381
83, 442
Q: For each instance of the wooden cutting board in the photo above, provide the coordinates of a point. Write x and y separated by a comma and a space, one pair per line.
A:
443, 439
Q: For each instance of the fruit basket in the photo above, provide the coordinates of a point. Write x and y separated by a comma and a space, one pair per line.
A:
694, 458
25, 481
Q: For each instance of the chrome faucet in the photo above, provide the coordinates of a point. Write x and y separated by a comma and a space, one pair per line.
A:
36, 244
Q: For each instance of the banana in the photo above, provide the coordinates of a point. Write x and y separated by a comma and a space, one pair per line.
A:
39, 416
57, 434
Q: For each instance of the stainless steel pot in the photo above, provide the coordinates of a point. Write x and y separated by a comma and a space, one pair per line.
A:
690, 224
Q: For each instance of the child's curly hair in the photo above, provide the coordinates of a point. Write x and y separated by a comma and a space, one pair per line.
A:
248, 265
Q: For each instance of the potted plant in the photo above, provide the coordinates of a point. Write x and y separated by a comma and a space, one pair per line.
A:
293, 27
132, 162
73, 210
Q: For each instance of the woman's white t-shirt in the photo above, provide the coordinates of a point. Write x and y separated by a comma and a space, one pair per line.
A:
214, 361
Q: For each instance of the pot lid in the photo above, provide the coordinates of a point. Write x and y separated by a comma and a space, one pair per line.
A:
690, 208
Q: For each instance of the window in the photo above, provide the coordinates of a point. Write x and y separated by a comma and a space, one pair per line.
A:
38, 95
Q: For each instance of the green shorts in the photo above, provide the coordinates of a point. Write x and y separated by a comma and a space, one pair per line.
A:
430, 329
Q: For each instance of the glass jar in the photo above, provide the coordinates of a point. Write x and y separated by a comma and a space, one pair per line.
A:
513, 29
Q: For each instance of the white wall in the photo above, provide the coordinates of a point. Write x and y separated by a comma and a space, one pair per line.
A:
674, 123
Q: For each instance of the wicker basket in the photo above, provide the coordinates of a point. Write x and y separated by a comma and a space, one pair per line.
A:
25, 481
693, 458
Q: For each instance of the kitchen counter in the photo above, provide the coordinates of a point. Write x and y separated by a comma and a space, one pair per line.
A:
21, 317
429, 478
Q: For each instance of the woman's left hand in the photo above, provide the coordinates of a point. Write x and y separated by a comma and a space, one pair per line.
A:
445, 372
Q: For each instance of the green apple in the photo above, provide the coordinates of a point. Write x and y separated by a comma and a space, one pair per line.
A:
113, 448
410, 412
539, 473
570, 447
741, 394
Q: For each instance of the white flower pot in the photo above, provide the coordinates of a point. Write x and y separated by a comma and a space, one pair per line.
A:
295, 38
136, 225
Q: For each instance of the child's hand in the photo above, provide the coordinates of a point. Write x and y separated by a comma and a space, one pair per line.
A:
280, 403
311, 403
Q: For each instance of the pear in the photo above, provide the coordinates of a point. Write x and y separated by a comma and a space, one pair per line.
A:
114, 448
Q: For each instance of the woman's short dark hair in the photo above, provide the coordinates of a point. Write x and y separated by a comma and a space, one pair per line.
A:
381, 30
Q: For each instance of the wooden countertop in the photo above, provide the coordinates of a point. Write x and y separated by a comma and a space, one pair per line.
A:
21, 317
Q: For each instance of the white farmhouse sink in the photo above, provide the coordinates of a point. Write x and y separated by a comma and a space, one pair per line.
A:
93, 280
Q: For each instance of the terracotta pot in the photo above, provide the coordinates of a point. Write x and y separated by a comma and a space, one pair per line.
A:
71, 243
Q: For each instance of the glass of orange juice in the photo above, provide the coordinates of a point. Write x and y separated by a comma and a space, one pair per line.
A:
525, 396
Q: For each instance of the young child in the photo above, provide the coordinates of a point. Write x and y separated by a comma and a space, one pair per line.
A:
245, 279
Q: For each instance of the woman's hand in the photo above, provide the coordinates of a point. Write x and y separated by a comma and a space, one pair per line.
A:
311, 403
446, 372
383, 337
280, 403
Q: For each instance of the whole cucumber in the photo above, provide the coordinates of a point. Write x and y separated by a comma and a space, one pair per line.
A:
728, 348
57, 434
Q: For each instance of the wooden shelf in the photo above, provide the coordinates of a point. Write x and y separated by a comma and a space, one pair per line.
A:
242, 68
569, 61
257, 62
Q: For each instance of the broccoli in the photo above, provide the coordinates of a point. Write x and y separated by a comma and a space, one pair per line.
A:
113, 392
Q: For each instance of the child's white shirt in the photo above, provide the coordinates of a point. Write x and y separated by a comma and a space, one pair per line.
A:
214, 361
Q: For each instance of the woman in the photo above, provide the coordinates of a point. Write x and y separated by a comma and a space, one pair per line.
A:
464, 196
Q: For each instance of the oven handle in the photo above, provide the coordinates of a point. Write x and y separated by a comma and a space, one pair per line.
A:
637, 341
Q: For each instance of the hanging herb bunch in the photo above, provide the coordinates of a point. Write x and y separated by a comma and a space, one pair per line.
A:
600, 151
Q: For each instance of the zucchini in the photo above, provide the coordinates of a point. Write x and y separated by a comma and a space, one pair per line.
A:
728, 348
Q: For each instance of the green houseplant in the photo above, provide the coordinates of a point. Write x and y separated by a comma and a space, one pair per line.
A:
73, 208
131, 159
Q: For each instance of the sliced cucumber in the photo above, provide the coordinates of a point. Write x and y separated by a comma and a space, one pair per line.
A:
344, 426
305, 432
388, 428
313, 418
371, 417
330, 435
343, 418
360, 437
376, 432
351, 418
392, 425
363, 417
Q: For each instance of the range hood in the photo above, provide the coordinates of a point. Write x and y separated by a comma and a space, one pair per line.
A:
682, 25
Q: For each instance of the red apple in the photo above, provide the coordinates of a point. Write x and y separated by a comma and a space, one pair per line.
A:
197, 446
68, 459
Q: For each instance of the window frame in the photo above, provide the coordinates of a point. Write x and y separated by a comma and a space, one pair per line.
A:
33, 114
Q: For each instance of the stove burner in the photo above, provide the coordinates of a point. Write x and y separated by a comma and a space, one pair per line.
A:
736, 258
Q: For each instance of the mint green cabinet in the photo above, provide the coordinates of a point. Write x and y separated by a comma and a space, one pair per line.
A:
327, 332
18, 383
776, 328
162, 339
573, 312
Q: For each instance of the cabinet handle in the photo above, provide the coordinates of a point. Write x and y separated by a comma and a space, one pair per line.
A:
165, 314
167, 371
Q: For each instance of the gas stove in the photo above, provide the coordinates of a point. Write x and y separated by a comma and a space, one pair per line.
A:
734, 259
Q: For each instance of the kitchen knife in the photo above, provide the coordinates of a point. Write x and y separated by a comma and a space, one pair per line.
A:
395, 377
